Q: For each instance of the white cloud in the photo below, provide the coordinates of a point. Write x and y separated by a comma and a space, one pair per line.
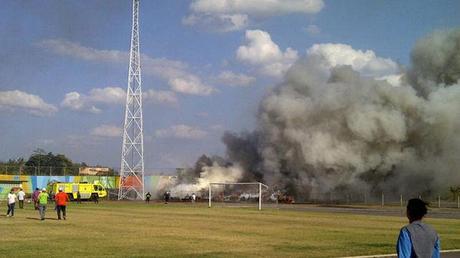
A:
107, 131
165, 69
160, 96
230, 15
81, 102
108, 95
221, 22
182, 132
365, 62
33, 104
232, 79
112, 96
191, 85
313, 29
265, 54
257, 7
76, 102
68, 48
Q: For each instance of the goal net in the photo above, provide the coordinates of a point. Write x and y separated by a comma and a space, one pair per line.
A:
237, 194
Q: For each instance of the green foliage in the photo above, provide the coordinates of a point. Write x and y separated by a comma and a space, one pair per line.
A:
12, 166
44, 163
57, 164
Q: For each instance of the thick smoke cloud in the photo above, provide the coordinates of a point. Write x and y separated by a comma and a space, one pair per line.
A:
324, 131
436, 62
210, 174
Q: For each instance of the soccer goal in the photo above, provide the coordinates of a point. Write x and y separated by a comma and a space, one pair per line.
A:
237, 194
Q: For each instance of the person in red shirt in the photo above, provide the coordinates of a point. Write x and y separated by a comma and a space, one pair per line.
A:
61, 200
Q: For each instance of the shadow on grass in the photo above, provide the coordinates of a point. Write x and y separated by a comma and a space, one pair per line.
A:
40, 219
4, 215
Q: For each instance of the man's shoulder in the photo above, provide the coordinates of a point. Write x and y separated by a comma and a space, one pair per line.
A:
419, 223
404, 228
428, 227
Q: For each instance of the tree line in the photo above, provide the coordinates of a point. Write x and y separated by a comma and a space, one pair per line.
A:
43, 163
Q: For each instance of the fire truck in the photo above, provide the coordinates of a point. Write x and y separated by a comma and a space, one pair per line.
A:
87, 190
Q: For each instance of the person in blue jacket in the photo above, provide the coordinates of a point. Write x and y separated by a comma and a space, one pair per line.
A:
417, 239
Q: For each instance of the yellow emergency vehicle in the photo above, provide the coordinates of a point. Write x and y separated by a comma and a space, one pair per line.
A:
87, 190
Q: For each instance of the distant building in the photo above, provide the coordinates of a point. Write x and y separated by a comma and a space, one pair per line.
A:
93, 171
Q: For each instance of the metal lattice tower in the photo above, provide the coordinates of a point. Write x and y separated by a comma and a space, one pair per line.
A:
132, 154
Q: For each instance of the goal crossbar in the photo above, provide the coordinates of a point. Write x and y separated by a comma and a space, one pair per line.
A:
244, 183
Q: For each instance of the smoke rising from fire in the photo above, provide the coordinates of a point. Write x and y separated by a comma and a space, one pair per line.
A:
327, 130
209, 174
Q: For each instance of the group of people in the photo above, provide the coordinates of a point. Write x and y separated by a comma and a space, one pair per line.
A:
167, 197
416, 239
40, 199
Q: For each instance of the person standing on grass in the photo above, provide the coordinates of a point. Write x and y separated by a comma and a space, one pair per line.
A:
147, 197
35, 197
11, 202
193, 197
42, 202
96, 198
21, 196
78, 197
417, 239
61, 200
166, 197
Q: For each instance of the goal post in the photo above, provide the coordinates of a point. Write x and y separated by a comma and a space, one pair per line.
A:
260, 188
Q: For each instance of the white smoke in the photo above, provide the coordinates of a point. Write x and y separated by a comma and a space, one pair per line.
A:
210, 174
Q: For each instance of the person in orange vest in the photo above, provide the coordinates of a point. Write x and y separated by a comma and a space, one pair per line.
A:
61, 200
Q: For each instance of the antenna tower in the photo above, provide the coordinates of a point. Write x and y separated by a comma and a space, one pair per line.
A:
132, 153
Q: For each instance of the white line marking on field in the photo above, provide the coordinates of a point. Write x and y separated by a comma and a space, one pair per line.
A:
451, 251
390, 255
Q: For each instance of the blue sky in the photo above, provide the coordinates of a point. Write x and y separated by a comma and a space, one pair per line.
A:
206, 65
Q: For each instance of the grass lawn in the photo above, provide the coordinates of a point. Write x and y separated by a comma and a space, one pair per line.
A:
134, 229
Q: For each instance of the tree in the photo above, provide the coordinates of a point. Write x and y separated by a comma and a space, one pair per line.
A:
49, 163
12, 166
44, 163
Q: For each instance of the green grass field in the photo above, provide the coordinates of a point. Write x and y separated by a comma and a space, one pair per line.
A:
134, 229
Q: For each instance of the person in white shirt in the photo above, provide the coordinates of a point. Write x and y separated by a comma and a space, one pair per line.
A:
193, 198
11, 203
21, 196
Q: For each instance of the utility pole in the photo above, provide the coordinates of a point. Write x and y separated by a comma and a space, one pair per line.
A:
132, 154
